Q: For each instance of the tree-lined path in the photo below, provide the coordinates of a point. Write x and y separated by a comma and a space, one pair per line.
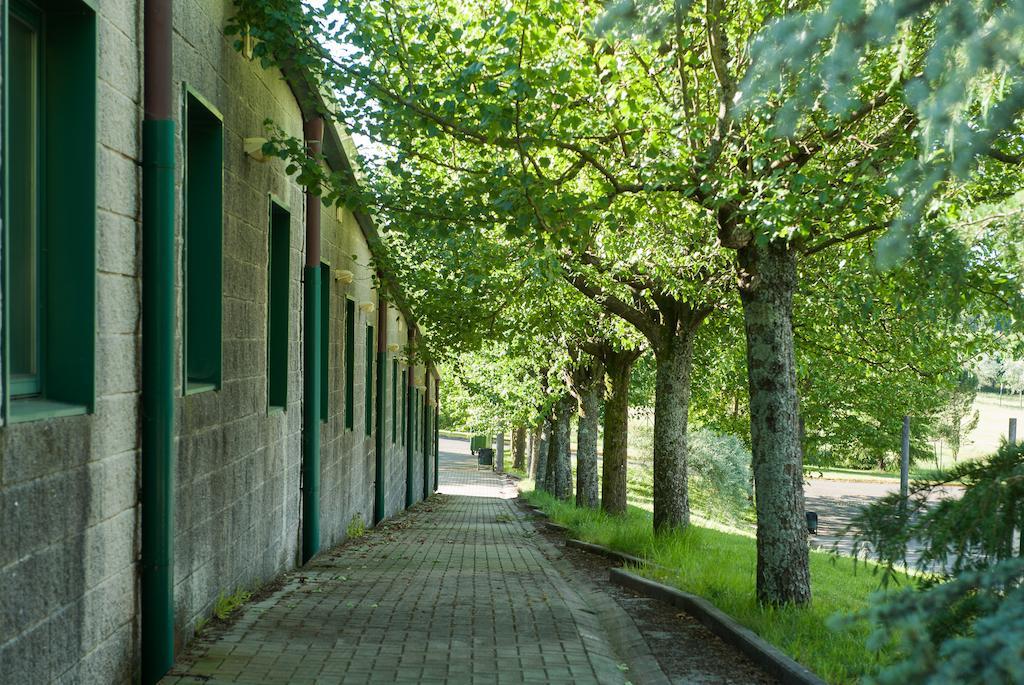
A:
462, 589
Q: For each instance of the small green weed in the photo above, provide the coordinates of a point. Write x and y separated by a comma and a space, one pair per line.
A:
229, 604
356, 527
504, 518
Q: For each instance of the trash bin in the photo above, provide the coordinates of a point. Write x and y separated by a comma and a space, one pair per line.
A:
477, 442
812, 522
485, 457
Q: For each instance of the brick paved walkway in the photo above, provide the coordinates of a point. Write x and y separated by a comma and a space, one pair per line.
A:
459, 590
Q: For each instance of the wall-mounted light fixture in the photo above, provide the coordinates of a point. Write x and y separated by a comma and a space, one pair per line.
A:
393, 347
254, 148
248, 43
343, 275
366, 307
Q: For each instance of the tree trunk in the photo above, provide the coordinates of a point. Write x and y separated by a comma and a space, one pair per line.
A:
586, 444
767, 283
551, 462
519, 448
618, 366
563, 460
531, 470
671, 413
543, 447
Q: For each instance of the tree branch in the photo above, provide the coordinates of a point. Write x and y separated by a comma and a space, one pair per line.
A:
612, 304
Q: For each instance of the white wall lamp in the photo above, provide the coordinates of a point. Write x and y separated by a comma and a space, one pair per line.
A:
254, 148
343, 276
366, 307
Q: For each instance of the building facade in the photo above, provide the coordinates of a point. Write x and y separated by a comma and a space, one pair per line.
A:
73, 370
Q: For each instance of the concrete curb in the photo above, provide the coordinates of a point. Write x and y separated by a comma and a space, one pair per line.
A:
758, 650
557, 527
605, 552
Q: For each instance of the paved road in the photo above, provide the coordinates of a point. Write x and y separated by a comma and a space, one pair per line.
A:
837, 501
461, 589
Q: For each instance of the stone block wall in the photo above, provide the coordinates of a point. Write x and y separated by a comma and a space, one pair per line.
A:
347, 469
69, 511
68, 502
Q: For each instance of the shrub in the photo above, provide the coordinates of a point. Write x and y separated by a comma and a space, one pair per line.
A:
719, 467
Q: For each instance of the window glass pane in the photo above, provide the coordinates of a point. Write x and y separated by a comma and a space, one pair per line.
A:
278, 307
350, 363
203, 243
24, 207
368, 383
394, 399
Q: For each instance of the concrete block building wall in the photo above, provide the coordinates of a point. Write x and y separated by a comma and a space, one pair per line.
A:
238, 460
395, 456
347, 453
69, 498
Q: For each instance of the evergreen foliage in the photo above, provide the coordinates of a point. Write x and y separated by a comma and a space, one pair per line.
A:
965, 621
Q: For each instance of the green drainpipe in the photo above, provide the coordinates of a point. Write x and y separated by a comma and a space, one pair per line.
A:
156, 506
437, 434
427, 433
157, 462
382, 388
410, 438
314, 130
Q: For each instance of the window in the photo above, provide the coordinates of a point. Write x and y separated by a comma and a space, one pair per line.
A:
414, 418
278, 310
405, 405
368, 394
325, 339
51, 208
204, 171
394, 399
350, 364
24, 145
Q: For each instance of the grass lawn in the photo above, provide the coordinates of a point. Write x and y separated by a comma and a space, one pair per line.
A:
720, 566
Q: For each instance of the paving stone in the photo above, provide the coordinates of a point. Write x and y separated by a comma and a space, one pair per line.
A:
460, 589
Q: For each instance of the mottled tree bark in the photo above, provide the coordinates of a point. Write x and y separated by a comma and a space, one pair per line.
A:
563, 459
674, 354
519, 448
767, 282
534, 451
587, 384
618, 366
543, 448
551, 462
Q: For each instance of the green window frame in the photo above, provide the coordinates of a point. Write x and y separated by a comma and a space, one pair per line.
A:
325, 339
202, 261
350, 364
49, 209
394, 400
368, 382
405, 404
278, 306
